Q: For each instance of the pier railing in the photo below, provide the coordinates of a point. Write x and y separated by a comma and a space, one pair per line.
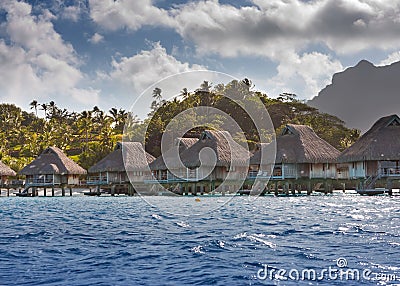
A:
41, 181
96, 180
389, 172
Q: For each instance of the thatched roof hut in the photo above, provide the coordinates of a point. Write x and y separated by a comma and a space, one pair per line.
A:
52, 161
182, 144
381, 142
226, 150
6, 171
299, 144
135, 155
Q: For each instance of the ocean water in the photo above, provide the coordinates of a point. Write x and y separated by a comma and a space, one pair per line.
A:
125, 241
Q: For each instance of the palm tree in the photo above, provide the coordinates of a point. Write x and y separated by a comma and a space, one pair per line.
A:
34, 105
119, 117
184, 92
44, 107
157, 94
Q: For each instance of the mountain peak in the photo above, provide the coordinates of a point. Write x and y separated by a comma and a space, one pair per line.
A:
364, 63
361, 94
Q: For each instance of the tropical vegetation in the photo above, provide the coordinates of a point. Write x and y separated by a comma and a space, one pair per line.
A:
89, 135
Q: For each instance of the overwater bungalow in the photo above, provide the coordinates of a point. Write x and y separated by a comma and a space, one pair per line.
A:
111, 169
300, 153
213, 158
376, 154
5, 173
158, 166
52, 168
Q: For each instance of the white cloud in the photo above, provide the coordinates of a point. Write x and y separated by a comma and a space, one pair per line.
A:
36, 63
147, 67
86, 97
71, 13
269, 26
266, 27
271, 29
392, 58
114, 15
96, 38
307, 73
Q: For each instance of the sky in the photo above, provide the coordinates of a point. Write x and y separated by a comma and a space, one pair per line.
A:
82, 53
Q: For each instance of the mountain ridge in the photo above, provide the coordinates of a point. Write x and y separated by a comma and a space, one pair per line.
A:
361, 94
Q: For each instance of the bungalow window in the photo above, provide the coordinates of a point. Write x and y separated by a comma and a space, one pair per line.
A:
230, 169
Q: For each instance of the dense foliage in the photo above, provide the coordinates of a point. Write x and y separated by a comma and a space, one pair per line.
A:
282, 110
86, 137
90, 135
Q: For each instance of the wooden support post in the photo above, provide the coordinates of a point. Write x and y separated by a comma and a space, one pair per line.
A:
70, 191
8, 191
326, 191
293, 188
344, 187
33, 191
286, 188
309, 188
389, 186
276, 188
113, 190
52, 191
194, 189
63, 191
44, 192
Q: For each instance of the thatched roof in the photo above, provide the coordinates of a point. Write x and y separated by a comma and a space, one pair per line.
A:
52, 161
6, 171
381, 142
135, 155
299, 144
226, 150
181, 143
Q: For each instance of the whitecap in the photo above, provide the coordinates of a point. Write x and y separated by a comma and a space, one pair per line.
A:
198, 249
156, 216
183, 224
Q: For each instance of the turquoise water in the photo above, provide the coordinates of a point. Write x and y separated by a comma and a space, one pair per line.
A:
125, 241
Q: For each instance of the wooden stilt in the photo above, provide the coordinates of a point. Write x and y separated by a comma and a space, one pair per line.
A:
52, 191
70, 191
63, 191
44, 192
309, 188
8, 192
113, 190
326, 191
389, 186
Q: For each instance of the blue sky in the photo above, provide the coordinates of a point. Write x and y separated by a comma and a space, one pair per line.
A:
84, 53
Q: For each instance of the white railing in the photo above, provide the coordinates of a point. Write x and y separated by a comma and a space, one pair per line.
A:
389, 172
95, 180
